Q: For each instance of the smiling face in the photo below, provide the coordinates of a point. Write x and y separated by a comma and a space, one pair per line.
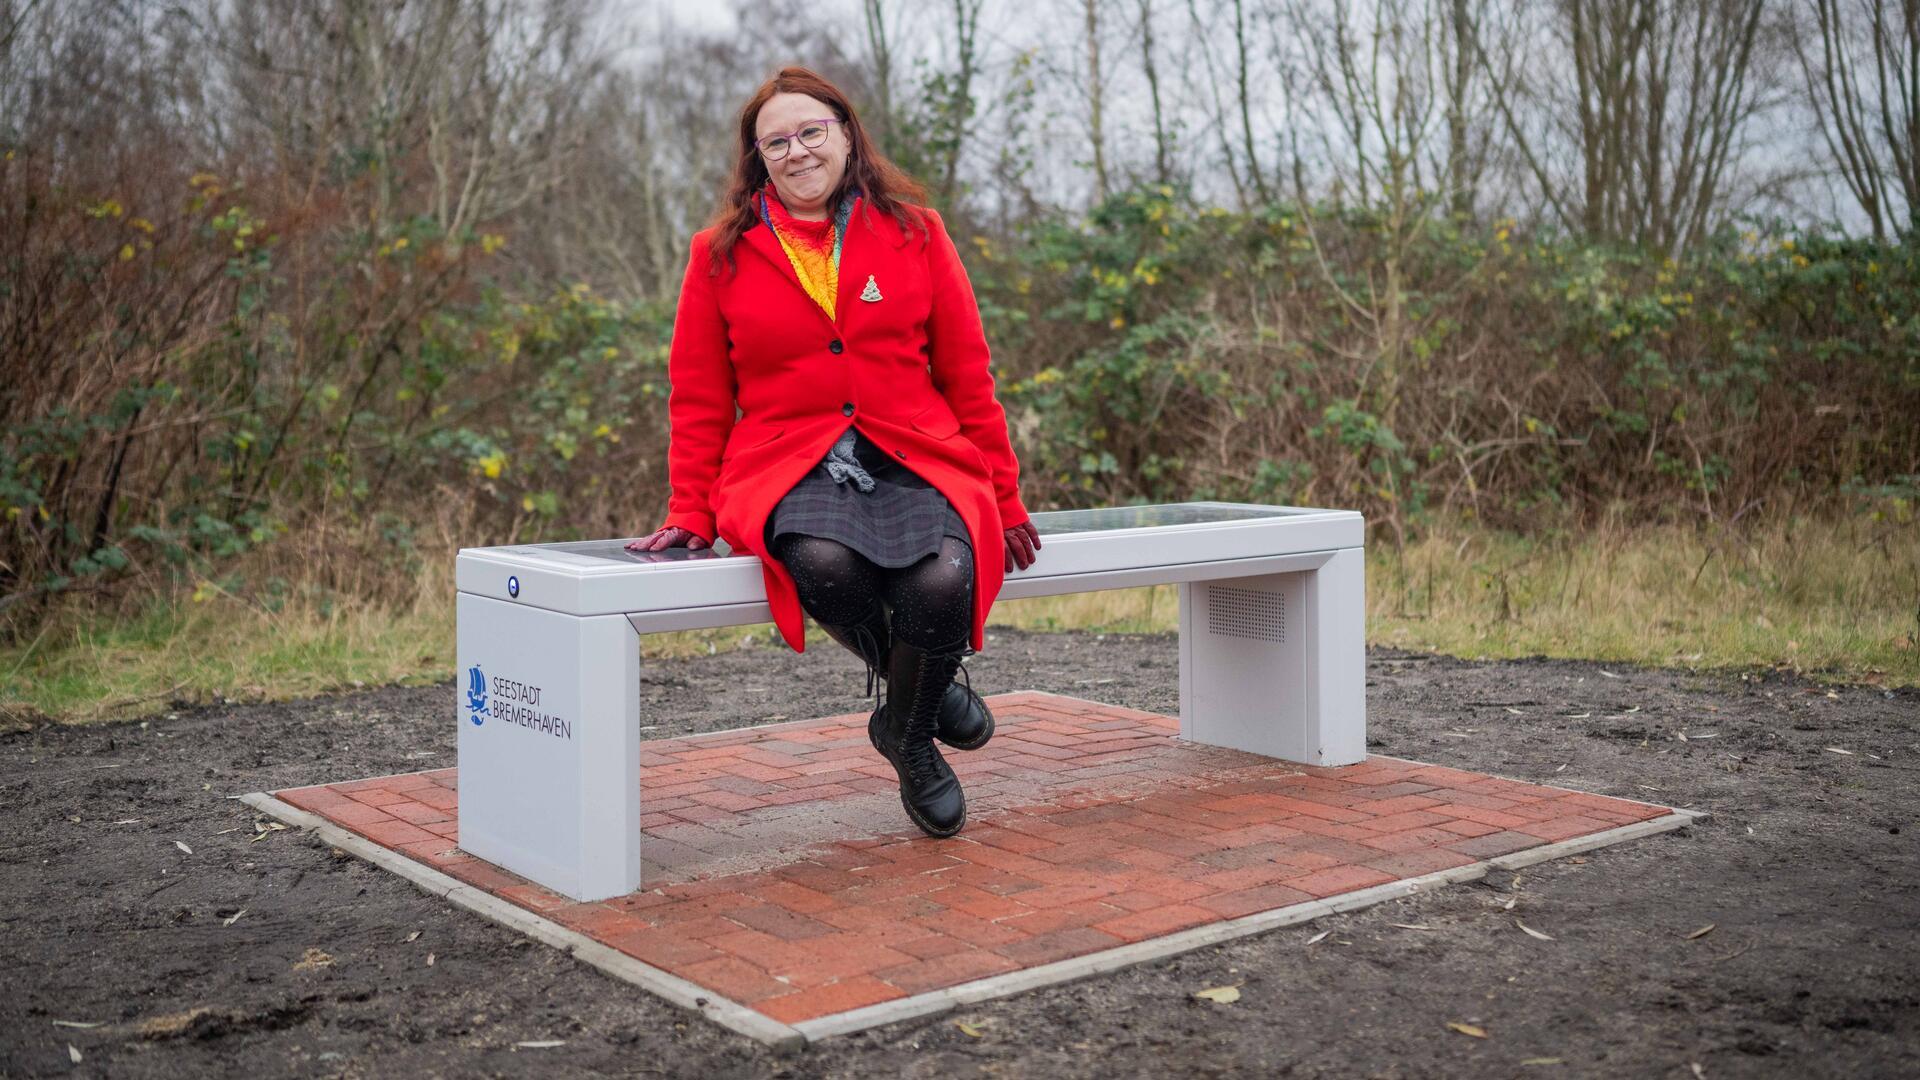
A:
809, 175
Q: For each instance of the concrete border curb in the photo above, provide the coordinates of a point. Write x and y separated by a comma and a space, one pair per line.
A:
691, 996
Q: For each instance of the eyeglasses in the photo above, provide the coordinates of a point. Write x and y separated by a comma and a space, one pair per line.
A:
811, 134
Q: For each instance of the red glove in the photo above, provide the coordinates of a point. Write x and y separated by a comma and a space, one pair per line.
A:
1023, 541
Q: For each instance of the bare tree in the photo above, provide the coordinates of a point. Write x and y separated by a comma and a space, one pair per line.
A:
1162, 142
1096, 99
1240, 55
1631, 114
880, 54
1375, 67
957, 103
482, 96
1862, 71
1215, 104
1391, 77
1464, 82
1014, 198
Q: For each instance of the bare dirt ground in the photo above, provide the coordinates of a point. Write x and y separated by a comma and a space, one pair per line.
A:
197, 963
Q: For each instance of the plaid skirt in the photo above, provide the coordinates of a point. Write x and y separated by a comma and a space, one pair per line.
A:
901, 521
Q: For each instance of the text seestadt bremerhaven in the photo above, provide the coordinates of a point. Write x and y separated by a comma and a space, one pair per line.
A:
518, 703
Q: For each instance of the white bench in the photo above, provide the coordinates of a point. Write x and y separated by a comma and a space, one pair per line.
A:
1272, 659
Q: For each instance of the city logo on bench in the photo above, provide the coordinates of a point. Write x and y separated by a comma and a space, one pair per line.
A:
477, 694
513, 702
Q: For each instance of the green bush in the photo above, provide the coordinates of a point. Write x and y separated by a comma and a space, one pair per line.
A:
1161, 350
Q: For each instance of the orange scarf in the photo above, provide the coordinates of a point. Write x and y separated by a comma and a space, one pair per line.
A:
813, 247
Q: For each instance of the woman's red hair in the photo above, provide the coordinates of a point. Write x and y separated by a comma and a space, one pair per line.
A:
881, 183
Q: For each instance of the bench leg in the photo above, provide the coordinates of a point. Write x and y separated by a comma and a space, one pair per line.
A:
549, 715
1277, 665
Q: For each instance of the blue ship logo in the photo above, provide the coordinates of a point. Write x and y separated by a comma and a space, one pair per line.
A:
477, 694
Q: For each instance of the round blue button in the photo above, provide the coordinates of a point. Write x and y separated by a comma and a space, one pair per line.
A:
513, 585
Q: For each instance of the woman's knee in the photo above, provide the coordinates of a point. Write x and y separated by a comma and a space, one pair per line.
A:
932, 600
835, 582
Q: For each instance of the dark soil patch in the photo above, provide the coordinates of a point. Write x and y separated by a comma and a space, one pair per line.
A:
199, 964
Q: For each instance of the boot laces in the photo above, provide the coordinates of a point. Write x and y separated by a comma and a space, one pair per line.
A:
961, 675
869, 651
917, 749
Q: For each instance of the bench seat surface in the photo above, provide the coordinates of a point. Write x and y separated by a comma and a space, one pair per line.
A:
1083, 550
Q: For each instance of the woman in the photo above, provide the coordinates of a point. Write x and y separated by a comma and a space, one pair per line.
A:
832, 413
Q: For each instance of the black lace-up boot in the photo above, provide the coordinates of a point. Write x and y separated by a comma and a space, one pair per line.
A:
965, 721
902, 730
869, 639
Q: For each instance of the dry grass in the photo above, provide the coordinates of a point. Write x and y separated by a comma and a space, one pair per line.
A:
1839, 599
215, 646
1833, 598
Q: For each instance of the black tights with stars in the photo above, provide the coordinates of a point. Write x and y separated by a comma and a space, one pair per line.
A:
931, 601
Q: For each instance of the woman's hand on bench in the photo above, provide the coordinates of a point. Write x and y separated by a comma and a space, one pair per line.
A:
671, 536
1023, 540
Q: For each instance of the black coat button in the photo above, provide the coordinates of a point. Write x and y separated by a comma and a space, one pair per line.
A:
835, 347
847, 409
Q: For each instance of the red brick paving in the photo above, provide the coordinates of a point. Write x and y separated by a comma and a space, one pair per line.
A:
779, 870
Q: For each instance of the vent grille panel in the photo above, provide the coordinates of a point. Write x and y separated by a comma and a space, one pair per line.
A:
1247, 613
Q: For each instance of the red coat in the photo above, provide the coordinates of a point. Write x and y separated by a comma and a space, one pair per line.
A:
909, 369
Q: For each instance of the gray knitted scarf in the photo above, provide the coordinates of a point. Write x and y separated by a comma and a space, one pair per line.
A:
843, 466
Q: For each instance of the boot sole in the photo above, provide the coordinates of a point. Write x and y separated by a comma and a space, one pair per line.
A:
900, 773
